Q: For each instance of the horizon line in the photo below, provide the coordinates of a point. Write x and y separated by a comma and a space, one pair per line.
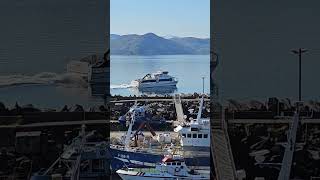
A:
164, 36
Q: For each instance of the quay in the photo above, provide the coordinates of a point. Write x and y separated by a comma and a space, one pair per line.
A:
272, 121
158, 99
55, 123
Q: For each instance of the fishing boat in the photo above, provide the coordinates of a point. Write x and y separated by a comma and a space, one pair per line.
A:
195, 133
81, 160
149, 156
171, 167
157, 79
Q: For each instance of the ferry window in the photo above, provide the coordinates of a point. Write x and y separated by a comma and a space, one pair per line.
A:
169, 163
199, 135
165, 79
189, 135
184, 135
205, 136
194, 135
179, 163
149, 80
173, 164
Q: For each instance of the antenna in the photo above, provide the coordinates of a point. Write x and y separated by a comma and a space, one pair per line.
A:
200, 109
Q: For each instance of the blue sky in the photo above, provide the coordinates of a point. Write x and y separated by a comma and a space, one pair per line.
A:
163, 17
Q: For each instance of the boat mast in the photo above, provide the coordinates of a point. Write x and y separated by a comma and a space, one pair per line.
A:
128, 135
200, 109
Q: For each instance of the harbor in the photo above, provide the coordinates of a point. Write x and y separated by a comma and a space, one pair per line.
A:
261, 131
143, 145
58, 128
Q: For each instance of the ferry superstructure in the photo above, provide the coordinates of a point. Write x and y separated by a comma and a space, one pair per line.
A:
157, 79
98, 73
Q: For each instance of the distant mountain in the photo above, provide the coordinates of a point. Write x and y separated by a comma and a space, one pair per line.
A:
151, 44
199, 46
114, 36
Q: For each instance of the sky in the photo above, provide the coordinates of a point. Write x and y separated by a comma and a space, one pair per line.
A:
254, 40
183, 18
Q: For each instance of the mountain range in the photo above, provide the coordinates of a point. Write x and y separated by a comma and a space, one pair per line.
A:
152, 44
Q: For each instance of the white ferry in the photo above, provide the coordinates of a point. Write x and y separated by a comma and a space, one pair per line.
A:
99, 71
157, 79
196, 133
172, 167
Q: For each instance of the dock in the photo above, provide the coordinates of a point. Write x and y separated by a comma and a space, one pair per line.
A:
221, 150
289, 151
179, 110
158, 99
56, 123
285, 120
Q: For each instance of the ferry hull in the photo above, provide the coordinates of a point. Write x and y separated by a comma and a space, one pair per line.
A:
152, 85
98, 76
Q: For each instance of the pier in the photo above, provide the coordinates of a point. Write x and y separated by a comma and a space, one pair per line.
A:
157, 99
55, 123
290, 148
221, 150
284, 120
179, 110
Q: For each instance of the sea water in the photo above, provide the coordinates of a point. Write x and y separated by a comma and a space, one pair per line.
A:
57, 88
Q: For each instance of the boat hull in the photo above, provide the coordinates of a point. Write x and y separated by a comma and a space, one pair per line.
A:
126, 177
123, 158
134, 175
47, 177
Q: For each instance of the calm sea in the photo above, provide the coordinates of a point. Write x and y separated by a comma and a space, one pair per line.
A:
38, 39
189, 69
56, 88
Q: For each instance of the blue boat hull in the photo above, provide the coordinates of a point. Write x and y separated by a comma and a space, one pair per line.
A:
122, 158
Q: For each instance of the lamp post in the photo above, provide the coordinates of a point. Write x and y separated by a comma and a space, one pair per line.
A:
299, 51
203, 84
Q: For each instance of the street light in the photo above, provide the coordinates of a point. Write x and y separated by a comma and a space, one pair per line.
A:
203, 84
300, 51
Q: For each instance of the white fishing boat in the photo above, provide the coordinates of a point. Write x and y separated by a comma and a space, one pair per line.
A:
171, 167
195, 133
157, 79
149, 155
82, 160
